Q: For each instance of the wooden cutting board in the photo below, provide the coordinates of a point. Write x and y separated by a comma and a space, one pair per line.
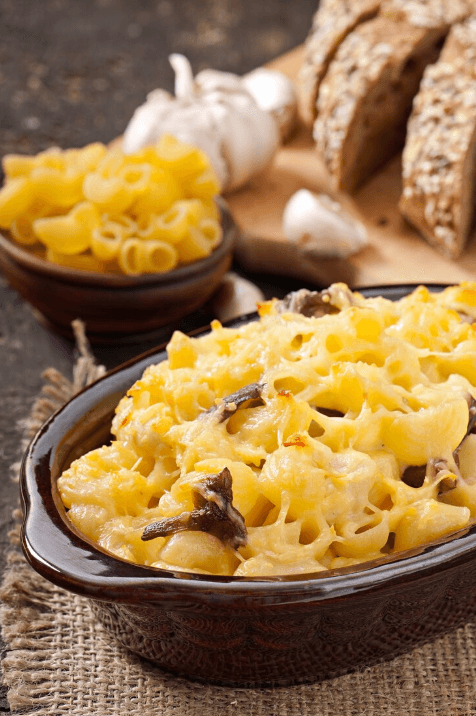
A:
396, 254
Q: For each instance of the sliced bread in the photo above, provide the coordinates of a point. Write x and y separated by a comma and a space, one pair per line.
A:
332, 22
439, 159
366, 96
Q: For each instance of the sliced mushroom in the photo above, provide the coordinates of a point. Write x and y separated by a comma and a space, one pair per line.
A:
465, 317
436, 470
316, 303
213, 513
471, 424
250, 395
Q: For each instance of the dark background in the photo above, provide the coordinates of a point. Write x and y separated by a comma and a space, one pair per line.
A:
72, 72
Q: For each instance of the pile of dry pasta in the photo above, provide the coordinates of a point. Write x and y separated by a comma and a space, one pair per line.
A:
345, 425
99, 209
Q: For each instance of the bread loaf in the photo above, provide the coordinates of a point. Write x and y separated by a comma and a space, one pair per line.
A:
333, 21
439, 159
366, 96
429, 13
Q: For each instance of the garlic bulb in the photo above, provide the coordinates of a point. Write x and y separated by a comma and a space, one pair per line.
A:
320, 227
275, 93
215, 112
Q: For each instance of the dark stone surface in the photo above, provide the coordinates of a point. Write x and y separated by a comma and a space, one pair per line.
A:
72, 72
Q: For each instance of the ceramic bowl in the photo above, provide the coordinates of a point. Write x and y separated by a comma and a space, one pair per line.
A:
115, 305
230, 630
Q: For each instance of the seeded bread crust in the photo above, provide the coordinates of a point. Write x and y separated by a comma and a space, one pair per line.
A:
332, 22
429, 13
439, 159
366, 96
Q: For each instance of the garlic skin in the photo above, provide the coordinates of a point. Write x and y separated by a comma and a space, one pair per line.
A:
320, 227
274, 93
215, 112
235, 297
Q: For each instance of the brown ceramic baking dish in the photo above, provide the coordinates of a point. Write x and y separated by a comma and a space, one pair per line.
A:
115, 305
231, 630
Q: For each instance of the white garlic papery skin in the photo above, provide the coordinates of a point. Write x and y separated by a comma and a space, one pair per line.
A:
235, 297
274, 93
320, 227
214, 112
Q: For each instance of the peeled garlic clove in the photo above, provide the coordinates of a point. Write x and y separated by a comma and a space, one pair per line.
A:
320, 226
273, 92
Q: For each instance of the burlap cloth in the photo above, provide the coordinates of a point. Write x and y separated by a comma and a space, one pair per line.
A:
58, 660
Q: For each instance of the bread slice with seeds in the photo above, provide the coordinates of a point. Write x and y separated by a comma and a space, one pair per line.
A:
429, 13
439, 159
332, 22
366, 96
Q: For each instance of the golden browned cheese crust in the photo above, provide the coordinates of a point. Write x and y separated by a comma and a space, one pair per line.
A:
439, 162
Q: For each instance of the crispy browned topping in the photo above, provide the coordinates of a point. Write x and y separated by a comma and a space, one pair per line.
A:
213, 513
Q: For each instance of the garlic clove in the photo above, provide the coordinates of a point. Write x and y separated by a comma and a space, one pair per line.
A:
211, 80
320, 227
142, 128
184, 84
236, 296
246, 152
273, 92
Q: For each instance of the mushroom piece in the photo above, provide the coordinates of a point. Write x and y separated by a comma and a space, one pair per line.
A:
436, 470
471, 424
316, 303
213, 513
231, 403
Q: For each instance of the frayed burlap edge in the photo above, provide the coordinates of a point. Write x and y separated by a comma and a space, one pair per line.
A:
23, 619
58, 660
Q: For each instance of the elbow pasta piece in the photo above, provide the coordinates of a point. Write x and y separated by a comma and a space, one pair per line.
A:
57, 186
70, 234
83, 262
110, 194
356, 450
136, 257
115, 212
160, 193
106, 241
15, 198
158, 256
21, 229
199, 241
183, 160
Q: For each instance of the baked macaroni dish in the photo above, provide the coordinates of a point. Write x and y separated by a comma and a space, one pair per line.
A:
334, 430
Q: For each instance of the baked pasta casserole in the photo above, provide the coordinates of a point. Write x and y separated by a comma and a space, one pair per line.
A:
334, 430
